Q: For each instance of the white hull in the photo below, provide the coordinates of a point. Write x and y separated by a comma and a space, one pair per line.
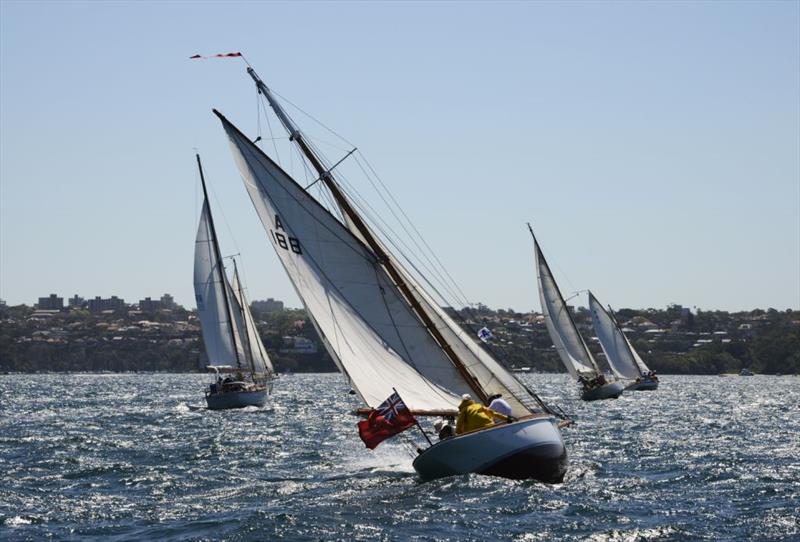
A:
606, 391
527, 449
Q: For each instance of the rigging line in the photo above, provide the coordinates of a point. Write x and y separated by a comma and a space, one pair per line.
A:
395, 241
225, 220
452, 287
287, 100
410, 222
376, 219
263, 101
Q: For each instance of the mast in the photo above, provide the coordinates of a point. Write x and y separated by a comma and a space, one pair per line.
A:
242, 309
383, 258
221, 269
561, 296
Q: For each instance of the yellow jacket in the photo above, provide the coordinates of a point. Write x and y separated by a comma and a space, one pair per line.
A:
472, 415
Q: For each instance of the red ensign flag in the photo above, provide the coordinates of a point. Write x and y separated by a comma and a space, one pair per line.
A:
391, 417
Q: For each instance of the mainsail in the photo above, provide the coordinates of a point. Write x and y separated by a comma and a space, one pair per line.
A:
364, 317
623, 359
568, 342
211, 290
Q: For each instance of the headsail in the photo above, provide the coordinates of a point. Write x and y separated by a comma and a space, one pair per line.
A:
621, 356
568, 342
357, 308
256, 353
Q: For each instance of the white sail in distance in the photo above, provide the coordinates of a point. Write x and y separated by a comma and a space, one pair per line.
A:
358, 310
251, 340
212, 310
568, 342
623, 359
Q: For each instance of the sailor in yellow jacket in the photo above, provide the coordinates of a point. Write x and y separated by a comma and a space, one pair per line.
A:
472, 415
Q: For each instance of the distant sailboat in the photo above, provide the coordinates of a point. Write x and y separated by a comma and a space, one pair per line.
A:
383, 330
623, 359
569, 344
232, 342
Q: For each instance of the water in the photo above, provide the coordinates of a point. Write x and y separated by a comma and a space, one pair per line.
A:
129, 457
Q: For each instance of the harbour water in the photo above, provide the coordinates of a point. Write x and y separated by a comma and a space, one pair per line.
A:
136, 457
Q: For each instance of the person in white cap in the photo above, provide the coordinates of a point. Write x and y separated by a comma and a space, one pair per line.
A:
472, 416
500, 405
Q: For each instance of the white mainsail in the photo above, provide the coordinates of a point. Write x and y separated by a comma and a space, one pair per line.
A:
254, 347
358, 310
568, 342
623, 359
212, 310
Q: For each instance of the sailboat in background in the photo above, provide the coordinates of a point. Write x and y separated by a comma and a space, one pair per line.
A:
569, 344
384, 331
623, 359
231, 339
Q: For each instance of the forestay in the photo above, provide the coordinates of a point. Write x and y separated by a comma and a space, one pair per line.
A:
618, 350
362, 316
568, 342
209, 280
252, 341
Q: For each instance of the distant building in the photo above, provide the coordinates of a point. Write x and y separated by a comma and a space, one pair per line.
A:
113, 303
150, 305
270, 305
52, 303
76, 302
168, 302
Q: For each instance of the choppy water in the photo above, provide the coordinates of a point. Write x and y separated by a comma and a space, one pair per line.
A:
126, 457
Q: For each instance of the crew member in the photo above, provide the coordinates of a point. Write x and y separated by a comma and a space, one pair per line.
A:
472, 416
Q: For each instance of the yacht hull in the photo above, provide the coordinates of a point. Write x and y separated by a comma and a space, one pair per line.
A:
611, 390
526, 449
236, 399
645, 385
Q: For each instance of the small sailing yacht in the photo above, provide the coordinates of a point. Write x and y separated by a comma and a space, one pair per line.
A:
231, 339
384, 331
623, 359
569, 344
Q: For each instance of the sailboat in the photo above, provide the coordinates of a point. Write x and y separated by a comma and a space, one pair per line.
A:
563, 332
231, 339
625, 362
382, 328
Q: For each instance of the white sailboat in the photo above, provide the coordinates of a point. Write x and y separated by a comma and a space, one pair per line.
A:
569, 344
623, 359
384, 331
232, 342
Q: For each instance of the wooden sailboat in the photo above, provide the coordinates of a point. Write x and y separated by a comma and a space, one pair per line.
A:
232, 342
568, 342
623, 359
381, 327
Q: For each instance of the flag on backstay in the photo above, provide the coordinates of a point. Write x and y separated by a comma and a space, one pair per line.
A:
484, 334
390, 418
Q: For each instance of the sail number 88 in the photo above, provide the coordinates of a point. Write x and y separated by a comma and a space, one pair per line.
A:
287, 243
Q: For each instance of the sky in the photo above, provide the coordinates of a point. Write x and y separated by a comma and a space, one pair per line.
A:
654, 147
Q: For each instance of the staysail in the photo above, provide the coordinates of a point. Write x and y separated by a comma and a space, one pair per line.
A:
255, 351
568, 342
623, 359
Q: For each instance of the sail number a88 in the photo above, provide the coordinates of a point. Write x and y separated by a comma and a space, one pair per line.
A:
284, 241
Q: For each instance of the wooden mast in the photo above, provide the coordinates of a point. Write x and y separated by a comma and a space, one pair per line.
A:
219, 266
383, 258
